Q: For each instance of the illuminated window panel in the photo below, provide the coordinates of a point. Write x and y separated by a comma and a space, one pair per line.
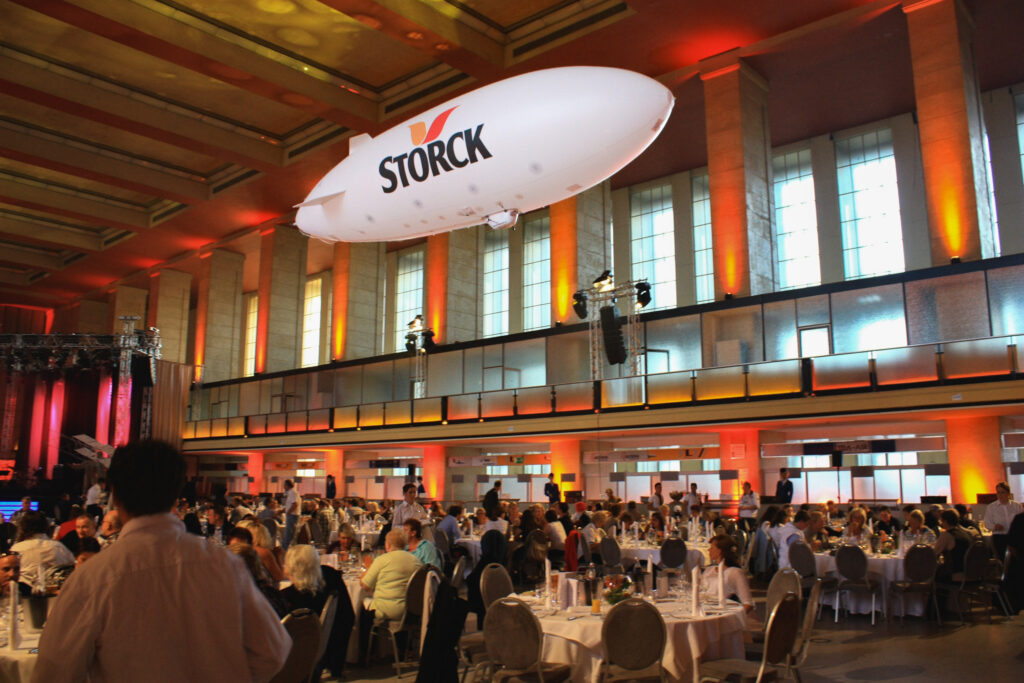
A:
652, 243
408, 293
536, 272
311, 323
795, 228
252, 307
495, 285
703, 254
869, 205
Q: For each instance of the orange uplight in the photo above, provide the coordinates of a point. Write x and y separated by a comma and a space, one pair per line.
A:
263, 301
437, 284
566, 458
56, 420
339, 300
563, 257
975, 453
434, 461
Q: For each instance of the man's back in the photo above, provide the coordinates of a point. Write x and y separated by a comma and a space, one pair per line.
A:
161, 605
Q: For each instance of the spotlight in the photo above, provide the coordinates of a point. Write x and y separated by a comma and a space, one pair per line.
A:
955, 260
604, 281
428, 340
728, 295
416, 324
410, 342
643, 294
579, 304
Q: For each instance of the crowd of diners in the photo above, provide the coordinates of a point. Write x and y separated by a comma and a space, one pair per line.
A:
280, 539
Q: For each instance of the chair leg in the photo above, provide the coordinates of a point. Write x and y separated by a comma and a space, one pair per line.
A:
838, 603
872, 609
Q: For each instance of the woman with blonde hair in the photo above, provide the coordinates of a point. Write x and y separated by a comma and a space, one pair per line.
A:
264, 547
302, 568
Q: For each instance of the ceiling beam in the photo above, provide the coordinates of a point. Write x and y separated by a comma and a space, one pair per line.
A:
71, 96
19, 279
49, 234
63, 204
425, 28
174, 41
73, 160
26, 256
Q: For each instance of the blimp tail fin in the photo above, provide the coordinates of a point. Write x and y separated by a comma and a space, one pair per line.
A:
319, 201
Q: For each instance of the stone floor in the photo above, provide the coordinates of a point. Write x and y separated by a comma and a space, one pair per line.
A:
915, 651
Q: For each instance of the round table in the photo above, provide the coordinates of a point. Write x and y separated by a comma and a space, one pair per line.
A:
472, 546
717, 635
16, 665
695, 556
886, 568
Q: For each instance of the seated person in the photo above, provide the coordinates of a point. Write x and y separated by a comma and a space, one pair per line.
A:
40, 554
554, 530
594, 532
887, 523
264, 548
425, 551
450, 524
386, 581
110, 528
951, 545
965, 520
856, 533
916, 531
494, 522
10, 569
656, 525
302, 568
723, 549
85, 527
815, 535
68, 525
217, 525
89, 547
832, 510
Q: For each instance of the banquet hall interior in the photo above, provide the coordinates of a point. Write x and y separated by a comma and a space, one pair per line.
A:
817, 266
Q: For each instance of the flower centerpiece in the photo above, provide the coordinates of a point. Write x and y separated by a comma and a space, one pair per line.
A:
616, 588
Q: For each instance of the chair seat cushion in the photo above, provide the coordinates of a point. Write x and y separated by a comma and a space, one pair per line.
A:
617, 673
735, 671
553, 673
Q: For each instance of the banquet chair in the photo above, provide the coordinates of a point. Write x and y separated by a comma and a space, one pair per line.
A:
785, 582
430, 588
304, 628
519, 658
611, 556
919, 565
852, 568
327, 615
802, 644
459, 573
741, 538
673, 557
801, 557
408, 624
495, 583
633, 636
781, 631
999, 577
970, 580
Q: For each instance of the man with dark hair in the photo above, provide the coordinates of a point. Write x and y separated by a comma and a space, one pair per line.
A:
217, 525
39, 552
492, 499
551, 490
783, 488
291, 513
160, 604
450, 524
564, 518
408, 508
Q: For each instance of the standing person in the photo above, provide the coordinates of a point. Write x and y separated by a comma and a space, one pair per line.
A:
655, 500
332, 488
93, 502
692, 499
551, 490
998, 516
750, 503
209, 623
421, 490
291, 513
492, 499
408, 508
783, 488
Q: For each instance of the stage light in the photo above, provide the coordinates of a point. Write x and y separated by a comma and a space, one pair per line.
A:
643, 294
410, 342
416, 324
604, 281
579, 304
428, 340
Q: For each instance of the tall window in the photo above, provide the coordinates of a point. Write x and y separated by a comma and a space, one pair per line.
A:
652, 243
495, 283
408, 293
252, 309
996, 245
869, 205
311, 323
703, 256
1019, 101
795, 229
536, 272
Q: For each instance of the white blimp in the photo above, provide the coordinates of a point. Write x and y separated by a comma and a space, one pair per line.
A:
489, 155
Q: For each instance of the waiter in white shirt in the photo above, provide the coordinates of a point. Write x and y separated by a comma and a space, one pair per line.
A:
655, 501
408, 508
291, 512
692, 499
998, 516
750, 503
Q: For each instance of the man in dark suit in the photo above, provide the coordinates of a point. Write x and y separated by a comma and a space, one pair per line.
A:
217, 525
492, 499
783, 488
332, 488
551, 490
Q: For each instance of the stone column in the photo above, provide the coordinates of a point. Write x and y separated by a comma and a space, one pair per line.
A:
580, 227
334, 463
739, 176
567, 459
435, 471
216, 350
281, 288
169, 292
128, 301
361, 324
255, 470
975, 449
740, 449
951, 128
450, 285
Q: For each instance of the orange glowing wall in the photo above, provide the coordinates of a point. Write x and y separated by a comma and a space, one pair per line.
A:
949, 126
334, 463
38, 424
103, 407
436, 277
435, 466
263, 312
53, 427
564, 279
975, 457
202, 314
339, 298
566, 458
255, 470
740, 450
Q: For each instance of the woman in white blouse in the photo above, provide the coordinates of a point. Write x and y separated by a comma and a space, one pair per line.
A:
856, 533
723, 549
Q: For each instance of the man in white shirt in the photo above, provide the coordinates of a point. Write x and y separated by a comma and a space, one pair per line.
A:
655, 500
692, 499
39, 552
999, 515
750, 503
160, 605
408, 508
790, 533
291, 512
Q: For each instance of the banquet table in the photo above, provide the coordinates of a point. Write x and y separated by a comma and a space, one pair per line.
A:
718, 634
16, 665
695, 556
472, 546
886, 568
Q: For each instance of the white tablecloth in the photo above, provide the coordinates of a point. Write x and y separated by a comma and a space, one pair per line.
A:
887, 568
16, 665
716, 636
695, 557
472, 546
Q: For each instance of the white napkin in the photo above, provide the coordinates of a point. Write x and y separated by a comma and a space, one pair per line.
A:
721, 584
13, 637
547, 576
695, 606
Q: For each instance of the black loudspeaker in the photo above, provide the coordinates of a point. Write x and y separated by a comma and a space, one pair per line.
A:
837, 458
614, 347
412, 470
